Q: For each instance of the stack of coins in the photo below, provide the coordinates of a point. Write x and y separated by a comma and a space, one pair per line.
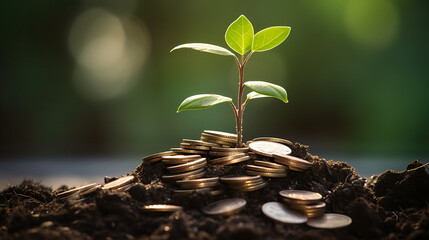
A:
223, 139
273, 139
120, 184
266, 169
193, 147
188, 186
222, 151
244, 183
294, 163
230, 159
79, 191
157, 156
184, 167
306, 202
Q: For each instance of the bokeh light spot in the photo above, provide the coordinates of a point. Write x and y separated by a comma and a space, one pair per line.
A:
372, 23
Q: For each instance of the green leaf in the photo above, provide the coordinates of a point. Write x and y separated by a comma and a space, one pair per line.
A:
269, 38
204, 47
253, 95
239, 35
202, 101
268, 89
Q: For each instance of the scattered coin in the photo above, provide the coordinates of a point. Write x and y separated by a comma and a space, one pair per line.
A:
273, 139
330, 221
279, 212
225, 207
269, 148
120, 182
301, 196
161, 208
74, 192
157, 156
294, 163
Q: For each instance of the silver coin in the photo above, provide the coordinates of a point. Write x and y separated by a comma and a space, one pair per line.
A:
279, 212
269, 148
225, 207
330, 221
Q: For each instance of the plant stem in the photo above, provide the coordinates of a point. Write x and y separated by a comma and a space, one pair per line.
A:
240, 107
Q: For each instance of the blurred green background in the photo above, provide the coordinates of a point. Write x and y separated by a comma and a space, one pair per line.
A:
96, 77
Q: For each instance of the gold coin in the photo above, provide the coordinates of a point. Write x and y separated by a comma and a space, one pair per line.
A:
224, 144
269, 164
266, 174
245, 184
200, 180
234, 161
330, 221
221, 134
301, 196
240, 179
265, 169
161, 208
294, 162
157, 156
278, 212
189, 166
119, 182
124, 188
200, 143
222, 154
269, 148
225, 207
179, 159
190, 191
216, 192
188, 151
186, 175
224, 139
194, 147
227, 158
251, 188
221, 149
90, 190
273, 139
311, 210
195, 176
75, 191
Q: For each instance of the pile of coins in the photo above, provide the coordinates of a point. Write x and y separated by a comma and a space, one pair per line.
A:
275, 150
244, 183
306, 202
120, 184
184, 167
304, 207
223, 139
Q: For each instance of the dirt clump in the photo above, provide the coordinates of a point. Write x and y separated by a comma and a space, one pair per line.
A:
393, 205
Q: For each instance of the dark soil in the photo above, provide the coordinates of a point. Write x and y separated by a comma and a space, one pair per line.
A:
393, 205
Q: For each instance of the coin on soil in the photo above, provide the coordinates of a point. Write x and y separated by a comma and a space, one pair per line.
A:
266, 174
161, 208
187, 175
179, 159
225, 207
240, 179
120, 182
301, 196
278, 212
198, 183
235, 160
76, 191
269, 148
189, 166
330, 221
294, 163
227, 158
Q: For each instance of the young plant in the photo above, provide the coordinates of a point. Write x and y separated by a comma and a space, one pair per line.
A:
241, 38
